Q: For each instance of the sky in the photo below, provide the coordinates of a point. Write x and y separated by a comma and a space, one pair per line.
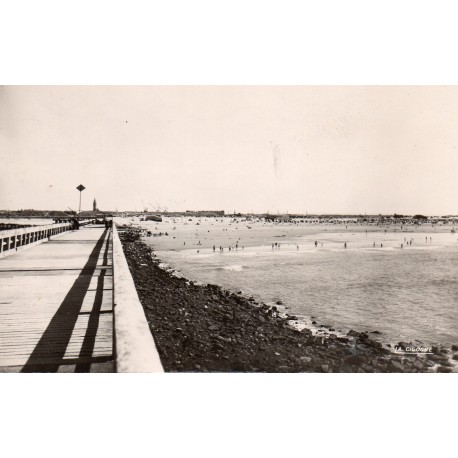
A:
296, 149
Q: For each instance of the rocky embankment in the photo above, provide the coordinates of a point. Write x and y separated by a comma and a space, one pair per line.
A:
203, 328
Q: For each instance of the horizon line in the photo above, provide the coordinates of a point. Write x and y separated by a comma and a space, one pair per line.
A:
306, 213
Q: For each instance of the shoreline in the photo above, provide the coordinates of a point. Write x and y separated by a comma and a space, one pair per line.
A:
204, 328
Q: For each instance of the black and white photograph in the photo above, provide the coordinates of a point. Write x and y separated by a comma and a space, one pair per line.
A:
228, 229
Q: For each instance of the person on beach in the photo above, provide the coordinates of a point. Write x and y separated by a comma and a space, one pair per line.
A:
402, 245
345, 245
316, 243
272, 246
374, 244
213, 248
381, 245
297, 247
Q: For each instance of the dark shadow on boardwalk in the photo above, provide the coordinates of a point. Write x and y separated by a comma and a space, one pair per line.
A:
93, 324
49, 352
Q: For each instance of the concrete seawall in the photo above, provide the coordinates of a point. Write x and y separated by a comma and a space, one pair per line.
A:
134, 344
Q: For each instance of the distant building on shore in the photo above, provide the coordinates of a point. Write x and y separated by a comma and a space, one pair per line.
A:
94, 206
205, 213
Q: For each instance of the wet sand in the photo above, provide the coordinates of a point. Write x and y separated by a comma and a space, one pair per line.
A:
204, 233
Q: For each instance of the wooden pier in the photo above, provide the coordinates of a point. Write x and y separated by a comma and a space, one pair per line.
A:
56, 305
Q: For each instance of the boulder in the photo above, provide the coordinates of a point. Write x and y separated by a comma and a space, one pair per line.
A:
354, 360
428, 363
444, 369
374, 343
367, 368
396, 366
343, 339
418, 364
307, 332
305, 359
437, 358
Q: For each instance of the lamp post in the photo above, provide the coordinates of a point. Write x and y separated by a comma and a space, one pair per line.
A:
80, 189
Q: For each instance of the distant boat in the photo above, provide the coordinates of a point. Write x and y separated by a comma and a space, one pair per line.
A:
158, 219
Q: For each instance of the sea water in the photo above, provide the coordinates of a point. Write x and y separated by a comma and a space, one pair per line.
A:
27, 221
407, 294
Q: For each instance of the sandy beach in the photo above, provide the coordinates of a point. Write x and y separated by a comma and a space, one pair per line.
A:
203, 233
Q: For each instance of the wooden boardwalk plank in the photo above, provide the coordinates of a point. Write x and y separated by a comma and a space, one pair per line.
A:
56, 305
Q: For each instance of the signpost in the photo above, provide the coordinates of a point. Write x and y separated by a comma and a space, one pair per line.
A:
80, 189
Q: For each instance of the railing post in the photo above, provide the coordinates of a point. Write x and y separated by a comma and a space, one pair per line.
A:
16, 238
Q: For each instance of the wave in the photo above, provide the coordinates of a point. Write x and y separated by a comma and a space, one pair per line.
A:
235, 268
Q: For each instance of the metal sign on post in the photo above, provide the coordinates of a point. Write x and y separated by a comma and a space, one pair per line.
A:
80, 189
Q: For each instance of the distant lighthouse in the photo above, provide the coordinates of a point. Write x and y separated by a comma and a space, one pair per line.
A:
94, 205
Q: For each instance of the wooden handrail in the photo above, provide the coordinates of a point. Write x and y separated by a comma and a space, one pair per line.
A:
13, 239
